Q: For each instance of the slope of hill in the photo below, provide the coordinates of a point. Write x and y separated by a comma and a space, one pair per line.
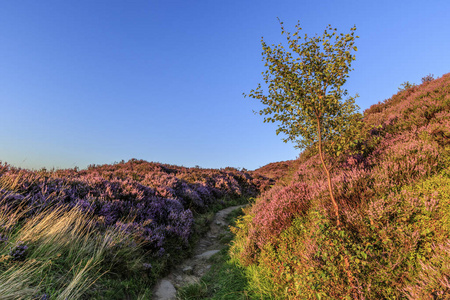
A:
393, 190
131, 220
278, 171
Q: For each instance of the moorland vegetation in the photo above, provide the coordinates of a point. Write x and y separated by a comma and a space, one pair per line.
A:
111, 231
393, 192
107, 232
363, 213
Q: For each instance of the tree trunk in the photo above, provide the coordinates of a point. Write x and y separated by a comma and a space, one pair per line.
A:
327, 172
336, 210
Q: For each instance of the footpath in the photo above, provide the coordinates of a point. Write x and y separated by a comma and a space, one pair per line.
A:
192, 269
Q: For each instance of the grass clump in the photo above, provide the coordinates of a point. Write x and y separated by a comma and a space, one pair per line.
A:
60, 254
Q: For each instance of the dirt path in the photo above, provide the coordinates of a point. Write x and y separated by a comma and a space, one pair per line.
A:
192, 269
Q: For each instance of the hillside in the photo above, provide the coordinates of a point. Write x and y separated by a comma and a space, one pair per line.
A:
394, 197
108, 232
277, 170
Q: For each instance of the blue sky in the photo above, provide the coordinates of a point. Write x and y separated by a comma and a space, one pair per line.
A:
97, 81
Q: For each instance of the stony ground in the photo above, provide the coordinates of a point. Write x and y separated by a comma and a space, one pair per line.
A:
191, 270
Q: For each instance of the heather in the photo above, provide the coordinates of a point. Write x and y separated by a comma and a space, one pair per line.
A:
278, 171
391, 187
107, 231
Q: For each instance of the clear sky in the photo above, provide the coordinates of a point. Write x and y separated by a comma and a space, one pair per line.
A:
97, 81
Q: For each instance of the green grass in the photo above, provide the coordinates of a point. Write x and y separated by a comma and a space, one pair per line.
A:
224, 280
202, 220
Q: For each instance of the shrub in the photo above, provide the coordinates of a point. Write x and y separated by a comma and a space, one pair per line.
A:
405, 86
428, 78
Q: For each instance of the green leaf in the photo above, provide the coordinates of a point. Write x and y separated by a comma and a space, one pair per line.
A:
364, 255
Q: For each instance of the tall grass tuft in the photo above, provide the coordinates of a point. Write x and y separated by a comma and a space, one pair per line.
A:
59, 253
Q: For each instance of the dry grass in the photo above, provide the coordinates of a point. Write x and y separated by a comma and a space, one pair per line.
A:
62, 236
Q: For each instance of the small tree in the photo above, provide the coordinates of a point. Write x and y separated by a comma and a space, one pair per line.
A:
405, 86
305, 92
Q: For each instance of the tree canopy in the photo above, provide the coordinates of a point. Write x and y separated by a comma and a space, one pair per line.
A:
305, 93
305, 87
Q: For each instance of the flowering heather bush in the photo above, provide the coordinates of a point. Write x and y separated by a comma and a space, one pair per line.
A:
416, 106
401, 160
276, 210
154, 201
126, 223
394, 198
3, 239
